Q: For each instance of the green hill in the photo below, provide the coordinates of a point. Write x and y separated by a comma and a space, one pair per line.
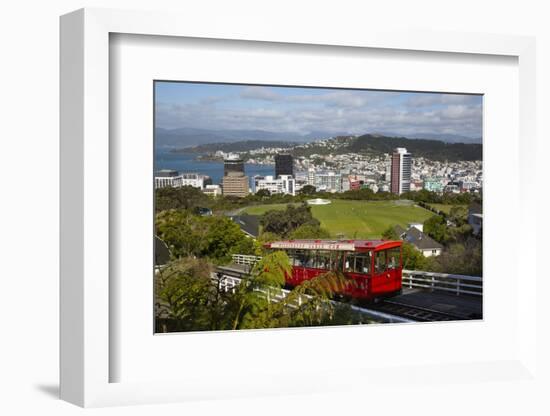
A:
430, 149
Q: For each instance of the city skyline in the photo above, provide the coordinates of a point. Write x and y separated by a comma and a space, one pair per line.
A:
303, 110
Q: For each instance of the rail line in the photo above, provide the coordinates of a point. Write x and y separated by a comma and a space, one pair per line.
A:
386, 311
415, 313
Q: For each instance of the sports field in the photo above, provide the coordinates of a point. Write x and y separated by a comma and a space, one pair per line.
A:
359, 219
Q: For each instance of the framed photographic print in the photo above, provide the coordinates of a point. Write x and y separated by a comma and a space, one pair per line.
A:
311, 225
286, 213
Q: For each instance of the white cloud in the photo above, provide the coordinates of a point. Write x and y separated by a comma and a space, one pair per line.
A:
336, 111
261, 93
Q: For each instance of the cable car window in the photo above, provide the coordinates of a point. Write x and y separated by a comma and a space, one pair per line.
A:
291, 255
298, 258
308, 259
394, 257
304, 258
340, 261
362, 263
321, 259
380, 261
349, 264
358, 262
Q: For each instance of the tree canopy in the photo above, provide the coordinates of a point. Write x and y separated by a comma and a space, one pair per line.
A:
214, 237
284, 222
190, 298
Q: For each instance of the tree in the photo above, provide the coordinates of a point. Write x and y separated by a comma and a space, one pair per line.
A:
460, 258
458, 214
436, 227
308, 190
215, 237
390, 234
413, 259
190, 298
185, 197
223, 238
309, 231
182, 231
183, 293
251, 306
285, 222
263, 193
311, 300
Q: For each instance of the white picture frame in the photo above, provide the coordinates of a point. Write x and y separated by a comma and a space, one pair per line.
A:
86, 356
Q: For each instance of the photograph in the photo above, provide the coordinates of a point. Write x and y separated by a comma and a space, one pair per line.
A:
296, 206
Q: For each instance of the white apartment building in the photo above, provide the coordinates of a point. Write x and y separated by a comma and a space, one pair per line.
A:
192, 179
328, 182
212, 190
284, 184
170, 178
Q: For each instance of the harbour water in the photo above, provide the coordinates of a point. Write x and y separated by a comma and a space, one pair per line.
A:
187, 163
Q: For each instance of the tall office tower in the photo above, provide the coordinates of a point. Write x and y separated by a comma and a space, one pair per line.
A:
235, 184
233, 164
283, 165
401, 165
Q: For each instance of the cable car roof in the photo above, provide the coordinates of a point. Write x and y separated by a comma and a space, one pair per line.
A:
336, 245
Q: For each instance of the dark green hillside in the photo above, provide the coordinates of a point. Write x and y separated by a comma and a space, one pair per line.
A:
240, 146
431, 149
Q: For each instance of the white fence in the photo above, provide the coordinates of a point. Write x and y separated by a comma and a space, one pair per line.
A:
452, 283
228, 283
245, 259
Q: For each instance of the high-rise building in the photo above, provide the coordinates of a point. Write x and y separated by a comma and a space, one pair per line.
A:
233, 164
235, 184
234, 181
400, 171
284, 165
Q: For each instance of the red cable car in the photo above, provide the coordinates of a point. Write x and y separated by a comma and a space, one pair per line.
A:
375, 265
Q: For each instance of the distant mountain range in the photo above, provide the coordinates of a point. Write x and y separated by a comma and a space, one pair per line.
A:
443, 137
375, 144
188, 137
240, 146
430, 149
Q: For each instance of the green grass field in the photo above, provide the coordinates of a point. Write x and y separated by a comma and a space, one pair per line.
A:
445, 208
359, 219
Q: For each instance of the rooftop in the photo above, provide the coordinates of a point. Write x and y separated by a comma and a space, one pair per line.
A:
336, 245
420, 240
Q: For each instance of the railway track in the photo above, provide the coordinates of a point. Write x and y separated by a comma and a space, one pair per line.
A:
415, 313
387, 309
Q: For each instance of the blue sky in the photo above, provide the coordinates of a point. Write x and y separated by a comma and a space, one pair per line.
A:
303, 110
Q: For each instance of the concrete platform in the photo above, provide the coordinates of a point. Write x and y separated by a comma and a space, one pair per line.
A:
467, 307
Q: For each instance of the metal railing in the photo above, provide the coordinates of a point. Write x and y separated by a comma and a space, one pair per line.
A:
453, 283
228, 283
245, 259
